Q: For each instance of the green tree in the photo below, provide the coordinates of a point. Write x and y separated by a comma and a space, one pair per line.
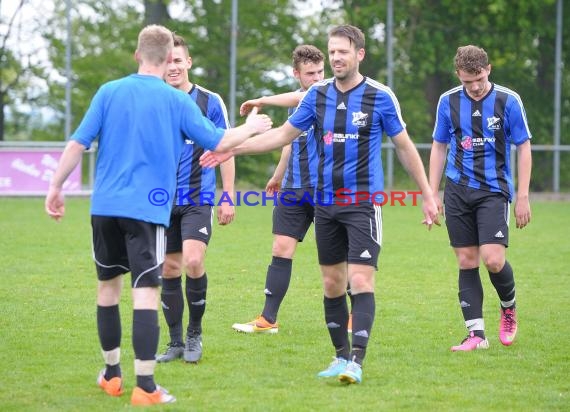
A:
19, 72
518, 36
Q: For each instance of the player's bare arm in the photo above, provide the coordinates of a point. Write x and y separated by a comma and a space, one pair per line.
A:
225, 210
436, 164
54, 202
254, 124
522, 202
262, 143
410, 159
290, 99
274, 184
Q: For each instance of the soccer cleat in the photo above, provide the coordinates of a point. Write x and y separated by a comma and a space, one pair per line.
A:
142, 398
349, 325
351, 374
113, 386
259, 325
173, 352
336, 367
193, 349
470, 343
508, 326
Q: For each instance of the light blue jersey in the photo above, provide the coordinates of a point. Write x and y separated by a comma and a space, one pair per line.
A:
140, 122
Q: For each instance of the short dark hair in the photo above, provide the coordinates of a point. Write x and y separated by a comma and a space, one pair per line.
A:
306, 53
180, 42
352, 33
471, 59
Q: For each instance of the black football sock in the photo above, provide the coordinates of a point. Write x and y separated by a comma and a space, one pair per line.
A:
146, 383
362, 320
336, 316
196, 296
471, 296
349, 293
109, 330
173, 307
504, 283
145, 342
276, 286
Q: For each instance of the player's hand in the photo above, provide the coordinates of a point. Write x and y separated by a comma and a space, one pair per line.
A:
522, 212
247, 106
258, 122
226, 213
55, 204
213, 159
431, 210
273, 185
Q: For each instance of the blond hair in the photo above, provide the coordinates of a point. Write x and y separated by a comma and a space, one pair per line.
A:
154, 44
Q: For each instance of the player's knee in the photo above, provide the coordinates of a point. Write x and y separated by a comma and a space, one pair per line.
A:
284, 248
171, 269
193, 264
494, 264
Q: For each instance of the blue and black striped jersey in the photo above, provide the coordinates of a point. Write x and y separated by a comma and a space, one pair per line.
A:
192, 179
301, 169
480, 134
348, 128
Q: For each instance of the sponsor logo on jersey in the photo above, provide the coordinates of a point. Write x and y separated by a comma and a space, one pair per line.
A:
328, 138
467, 143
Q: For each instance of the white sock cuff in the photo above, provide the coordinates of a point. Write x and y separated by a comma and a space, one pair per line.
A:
112, 357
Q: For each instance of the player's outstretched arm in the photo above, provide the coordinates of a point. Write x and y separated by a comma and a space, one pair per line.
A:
290, 99
254, 124
262, 143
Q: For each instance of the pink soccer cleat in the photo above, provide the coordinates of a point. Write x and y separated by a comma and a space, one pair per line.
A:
508, 326
470, 343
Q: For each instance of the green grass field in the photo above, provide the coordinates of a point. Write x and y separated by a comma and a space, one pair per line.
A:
50, 351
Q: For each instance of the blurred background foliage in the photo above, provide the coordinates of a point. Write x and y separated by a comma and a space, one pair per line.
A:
519, 36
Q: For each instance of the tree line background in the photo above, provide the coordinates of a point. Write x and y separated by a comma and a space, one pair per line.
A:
518, 35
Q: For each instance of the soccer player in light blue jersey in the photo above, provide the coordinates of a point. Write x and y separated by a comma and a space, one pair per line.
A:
139, 122
480, 121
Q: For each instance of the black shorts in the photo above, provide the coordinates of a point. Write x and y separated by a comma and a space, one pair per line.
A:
475, 217
188, 222
293, 216
122, 245
351, 233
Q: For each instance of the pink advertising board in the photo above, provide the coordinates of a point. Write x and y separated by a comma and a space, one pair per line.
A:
28, 172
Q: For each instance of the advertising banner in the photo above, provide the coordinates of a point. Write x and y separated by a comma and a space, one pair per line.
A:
28, 172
